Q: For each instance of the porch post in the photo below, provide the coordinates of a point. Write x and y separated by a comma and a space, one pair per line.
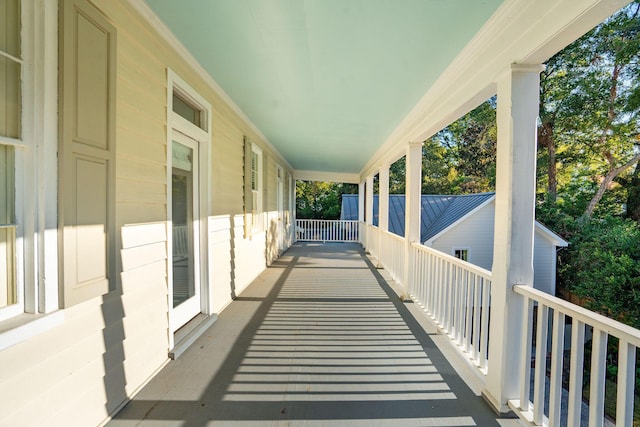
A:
383, 208
518, 94
369, 205
361, 195
362, 230
413, 207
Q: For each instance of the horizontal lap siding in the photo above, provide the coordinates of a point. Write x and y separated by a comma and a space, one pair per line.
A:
227, 158
109, 346
475, 233
544, 261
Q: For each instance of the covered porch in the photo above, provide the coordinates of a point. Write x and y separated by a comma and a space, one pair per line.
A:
322, 337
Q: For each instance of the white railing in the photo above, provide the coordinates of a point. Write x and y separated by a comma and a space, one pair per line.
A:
321, 230
180, 242
373, 240
456, 295
583, 322
392, 254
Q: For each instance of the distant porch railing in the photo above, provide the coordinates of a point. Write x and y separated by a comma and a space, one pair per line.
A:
321, 230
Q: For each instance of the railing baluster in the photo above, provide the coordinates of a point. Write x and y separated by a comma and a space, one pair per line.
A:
626, 379
541, 364
484, 328
461, 298
461, 308
575, 373
525, 353
555, 392
471, 278
597, 383
476, 318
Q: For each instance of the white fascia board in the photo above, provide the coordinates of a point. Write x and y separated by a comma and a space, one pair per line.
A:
341, 177
165, 33
460, 220
551, 236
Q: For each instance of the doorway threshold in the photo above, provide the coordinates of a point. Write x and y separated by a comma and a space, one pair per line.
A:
190, 332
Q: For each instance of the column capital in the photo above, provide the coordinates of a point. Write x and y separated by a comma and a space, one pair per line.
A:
527, 68
415, 143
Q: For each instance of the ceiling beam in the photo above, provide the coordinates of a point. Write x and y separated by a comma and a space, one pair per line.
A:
321, 176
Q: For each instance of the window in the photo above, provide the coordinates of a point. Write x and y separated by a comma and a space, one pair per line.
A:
461, 253
28, 168
10, 135
256, 187
185, 109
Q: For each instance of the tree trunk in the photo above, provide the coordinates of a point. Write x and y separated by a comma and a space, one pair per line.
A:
633, 195
608, 179
545, 138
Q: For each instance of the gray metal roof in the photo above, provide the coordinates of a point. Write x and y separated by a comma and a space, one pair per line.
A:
438, 211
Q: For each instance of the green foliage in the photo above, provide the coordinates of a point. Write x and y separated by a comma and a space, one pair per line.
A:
589, 110
461, 158
397, 177
602, 266
321, 200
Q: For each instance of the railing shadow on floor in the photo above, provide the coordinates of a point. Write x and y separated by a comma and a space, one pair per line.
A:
318, 344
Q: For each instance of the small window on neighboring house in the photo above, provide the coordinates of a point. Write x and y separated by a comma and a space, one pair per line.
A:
462, 254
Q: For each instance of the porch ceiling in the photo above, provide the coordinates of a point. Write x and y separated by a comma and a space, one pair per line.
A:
326, 81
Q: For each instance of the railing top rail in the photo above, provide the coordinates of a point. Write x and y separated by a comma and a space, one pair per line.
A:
328, 220
486, 274
603, 323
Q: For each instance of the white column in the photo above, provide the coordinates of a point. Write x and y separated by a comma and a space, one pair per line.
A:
369, 206
362, 229
518, 93
383, 208
413, 207
361, 195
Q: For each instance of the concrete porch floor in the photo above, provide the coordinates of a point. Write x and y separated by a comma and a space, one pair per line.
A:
320, 338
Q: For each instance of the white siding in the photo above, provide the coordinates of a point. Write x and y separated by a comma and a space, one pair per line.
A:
544, 264
476, 234
108, 347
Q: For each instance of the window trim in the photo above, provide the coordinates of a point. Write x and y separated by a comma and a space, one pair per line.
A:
201, 134
461, 249
257, 209
36, 177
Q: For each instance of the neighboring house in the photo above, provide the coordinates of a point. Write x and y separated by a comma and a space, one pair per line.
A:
462, 226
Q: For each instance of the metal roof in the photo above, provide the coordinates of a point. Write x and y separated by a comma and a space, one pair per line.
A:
439, 212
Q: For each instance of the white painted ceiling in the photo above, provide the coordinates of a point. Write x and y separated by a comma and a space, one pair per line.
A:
326, 81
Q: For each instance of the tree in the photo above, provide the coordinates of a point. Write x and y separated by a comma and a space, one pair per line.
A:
461, 158
321, 200
589, 105
397, 176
